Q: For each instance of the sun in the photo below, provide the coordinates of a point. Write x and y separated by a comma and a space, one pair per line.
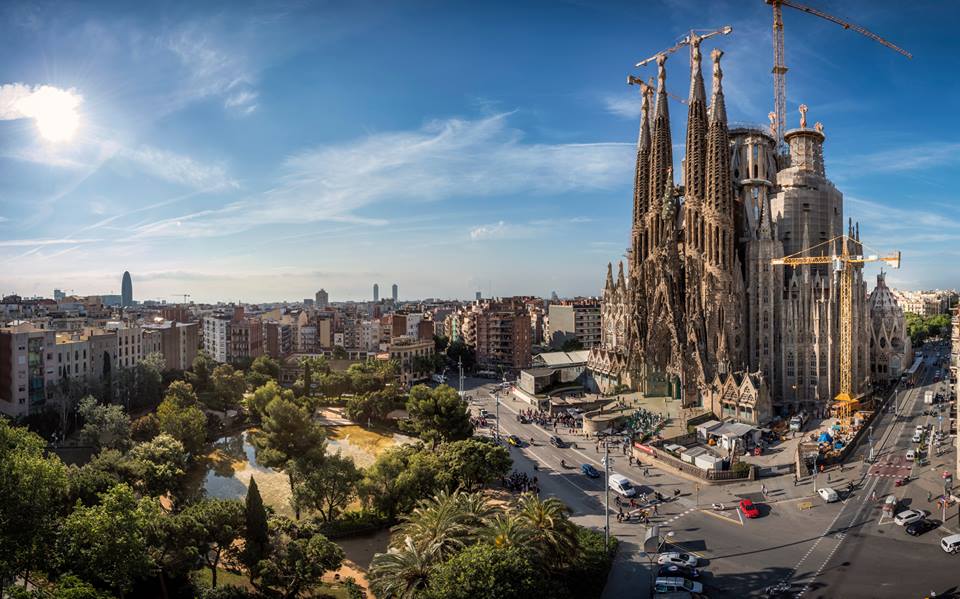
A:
54, 111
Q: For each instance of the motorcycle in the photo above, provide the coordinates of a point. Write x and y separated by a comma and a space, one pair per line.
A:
901, 481
718, 507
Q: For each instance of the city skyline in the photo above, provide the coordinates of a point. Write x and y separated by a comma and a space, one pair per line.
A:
233, 155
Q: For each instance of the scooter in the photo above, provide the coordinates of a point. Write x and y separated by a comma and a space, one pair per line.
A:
718, 507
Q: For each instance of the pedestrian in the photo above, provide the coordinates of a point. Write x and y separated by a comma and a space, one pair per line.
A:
655, 509
630, 461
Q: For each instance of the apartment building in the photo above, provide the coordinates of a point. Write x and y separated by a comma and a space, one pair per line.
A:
574, 319
405, 350
177, 342
28, 368
500, 332
232, 336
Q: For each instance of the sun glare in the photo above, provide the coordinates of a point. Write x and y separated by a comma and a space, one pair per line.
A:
54, 111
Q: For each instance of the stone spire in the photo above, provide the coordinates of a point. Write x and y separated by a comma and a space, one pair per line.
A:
621, 282
694, 168
718, 184
661, 150
765, 226
641, 180
609, 284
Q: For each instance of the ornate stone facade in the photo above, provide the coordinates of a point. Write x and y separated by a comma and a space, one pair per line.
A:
890, 350
701, 301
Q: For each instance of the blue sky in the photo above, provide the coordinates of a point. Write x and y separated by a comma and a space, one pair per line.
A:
259, 151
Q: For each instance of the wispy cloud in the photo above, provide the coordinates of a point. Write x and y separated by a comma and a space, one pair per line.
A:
22, 101
42, 242
626, 106
901, 159
178, 168
445, 159
213, 69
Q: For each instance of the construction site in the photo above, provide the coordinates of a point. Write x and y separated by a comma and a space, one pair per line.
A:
742, 292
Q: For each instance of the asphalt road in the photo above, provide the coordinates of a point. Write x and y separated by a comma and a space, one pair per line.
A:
843, 549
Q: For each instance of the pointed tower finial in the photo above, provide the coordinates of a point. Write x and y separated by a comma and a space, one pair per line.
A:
621, 282
694, 164
609, 284
803, 116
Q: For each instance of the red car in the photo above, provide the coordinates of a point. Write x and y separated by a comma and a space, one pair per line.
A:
749, 510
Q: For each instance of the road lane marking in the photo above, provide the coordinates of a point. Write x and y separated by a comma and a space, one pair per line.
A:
720, 516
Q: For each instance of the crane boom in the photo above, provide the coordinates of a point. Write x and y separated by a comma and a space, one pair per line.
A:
846, 25
779, 61
690, 38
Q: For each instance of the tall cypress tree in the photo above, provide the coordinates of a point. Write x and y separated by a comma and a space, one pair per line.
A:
255, 537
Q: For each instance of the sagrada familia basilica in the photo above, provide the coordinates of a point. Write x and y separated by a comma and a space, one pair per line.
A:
702, 313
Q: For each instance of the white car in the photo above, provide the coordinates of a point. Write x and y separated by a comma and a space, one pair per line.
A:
679, 559
917, 437
911, 455
908, 517
828, 494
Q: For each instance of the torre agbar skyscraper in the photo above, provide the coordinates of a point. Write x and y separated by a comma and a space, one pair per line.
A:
700, 307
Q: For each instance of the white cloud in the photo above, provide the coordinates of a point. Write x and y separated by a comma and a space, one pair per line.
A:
902, 159
178, 168
626, 106
453, 158
494, 231
42, 242
214, 70
21, 101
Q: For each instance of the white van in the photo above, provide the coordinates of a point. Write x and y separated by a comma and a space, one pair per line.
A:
621, 485
911, 455
950, 544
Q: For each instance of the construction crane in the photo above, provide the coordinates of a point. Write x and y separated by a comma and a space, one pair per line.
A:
648, 85
844, 265
780, 67
183, 295
691, 39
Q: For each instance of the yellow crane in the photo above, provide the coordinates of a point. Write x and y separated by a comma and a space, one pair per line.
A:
780, 68
844, 264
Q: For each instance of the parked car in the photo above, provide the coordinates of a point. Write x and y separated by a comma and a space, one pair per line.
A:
828, 494
678, 570
515, 441
911, 455
920, 527
622, 485
590, 471
950, 544
680, 559
557, 442
908, 517
749, 509
672, 584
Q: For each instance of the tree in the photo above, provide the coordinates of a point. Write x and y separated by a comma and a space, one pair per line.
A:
216, 524
228, 386
107, 542
145, 428
403, 571
554, 536
327, 487
107, 469
200, 372
179, 417
484, 571
256, 532
572, 344
311, 367
458, 350
339, 353
181, 394
149, 377
447, 521
299, 556
288, 434
399, 478
338, 383
104, 426
256, 403
159, 465
263, 370
373, 406
438, 415
440, 343
66, 587
472, 463
33, 488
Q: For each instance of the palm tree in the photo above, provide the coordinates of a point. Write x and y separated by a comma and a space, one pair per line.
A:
446, 522
509, 531
402, 572
553, 536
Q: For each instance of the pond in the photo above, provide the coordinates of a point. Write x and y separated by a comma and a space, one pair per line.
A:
232, 462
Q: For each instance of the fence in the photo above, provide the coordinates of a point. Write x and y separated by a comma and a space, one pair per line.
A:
658, 455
